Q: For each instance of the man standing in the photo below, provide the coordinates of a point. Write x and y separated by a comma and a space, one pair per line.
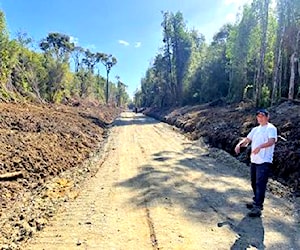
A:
262, 138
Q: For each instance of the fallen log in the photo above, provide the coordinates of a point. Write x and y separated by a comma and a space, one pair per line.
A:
11, 176
295, 101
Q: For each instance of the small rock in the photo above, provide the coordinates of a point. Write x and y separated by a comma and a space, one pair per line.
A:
5, 247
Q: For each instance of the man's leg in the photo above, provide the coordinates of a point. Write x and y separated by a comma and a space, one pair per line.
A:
250, 205
253, 179
262, 175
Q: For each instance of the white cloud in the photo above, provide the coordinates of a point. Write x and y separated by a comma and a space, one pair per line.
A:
228, 2
234, 7
138, 44
230, 17
236, 2
123, 42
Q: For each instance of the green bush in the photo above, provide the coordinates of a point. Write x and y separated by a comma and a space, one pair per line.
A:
265, 96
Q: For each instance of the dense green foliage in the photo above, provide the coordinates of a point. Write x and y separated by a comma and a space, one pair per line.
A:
257, 59
48, 75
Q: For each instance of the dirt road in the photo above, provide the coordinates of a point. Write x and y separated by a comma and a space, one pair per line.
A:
158, 190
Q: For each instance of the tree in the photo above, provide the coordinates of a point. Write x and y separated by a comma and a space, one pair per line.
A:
77, 55
57, 49
237, 53
58, 45
281, 13
294, 7
177, 50
264, 15
138, 98
214, 74
5, 61
91, 59
47, 76
167, 33
122, 96
192, 80
108, 61
182, 47
28, 75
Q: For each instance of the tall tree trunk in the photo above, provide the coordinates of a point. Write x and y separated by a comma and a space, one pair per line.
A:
167, 40
277, 72
280, 79
285, 70
254, 80
293, 60
260, 73
230, 80
277, 64
292, 77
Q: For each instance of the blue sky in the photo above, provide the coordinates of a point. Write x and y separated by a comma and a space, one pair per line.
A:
128, 29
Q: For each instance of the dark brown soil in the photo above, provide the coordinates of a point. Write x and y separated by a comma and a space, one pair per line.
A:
223, 125
41, 142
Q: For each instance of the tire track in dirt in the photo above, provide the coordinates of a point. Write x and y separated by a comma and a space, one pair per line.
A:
163, 145
98, 219
153, 237
230, 216
140, 151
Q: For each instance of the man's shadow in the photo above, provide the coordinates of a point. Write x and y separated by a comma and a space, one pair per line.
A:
250, 233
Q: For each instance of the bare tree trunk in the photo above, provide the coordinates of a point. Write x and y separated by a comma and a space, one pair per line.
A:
230, 80
170, 83
292, 77
285, 70
293, 60
298, 50
275, 89
277, 72
260, 73
280, 78
11, 176
254, 80
298, 66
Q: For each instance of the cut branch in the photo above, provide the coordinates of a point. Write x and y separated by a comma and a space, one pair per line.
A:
11, 176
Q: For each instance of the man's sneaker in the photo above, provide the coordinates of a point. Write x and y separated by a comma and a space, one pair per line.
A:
249, 205
255, 212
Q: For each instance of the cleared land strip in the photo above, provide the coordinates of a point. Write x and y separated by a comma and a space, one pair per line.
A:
157, 190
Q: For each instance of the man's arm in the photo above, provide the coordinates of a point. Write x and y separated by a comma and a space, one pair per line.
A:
267, 144
243, 143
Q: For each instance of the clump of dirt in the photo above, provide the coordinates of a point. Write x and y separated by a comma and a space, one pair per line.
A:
223, 125
37, 144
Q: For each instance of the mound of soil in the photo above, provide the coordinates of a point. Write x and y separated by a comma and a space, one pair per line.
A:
37, 143
223, 125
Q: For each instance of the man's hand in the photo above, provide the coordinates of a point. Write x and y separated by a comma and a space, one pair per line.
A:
243, 143
256, 150
269, 143
237, 149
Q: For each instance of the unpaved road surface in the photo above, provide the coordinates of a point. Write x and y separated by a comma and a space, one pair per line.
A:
158, 190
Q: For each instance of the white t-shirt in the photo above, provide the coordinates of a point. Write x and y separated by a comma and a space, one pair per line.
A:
258, 136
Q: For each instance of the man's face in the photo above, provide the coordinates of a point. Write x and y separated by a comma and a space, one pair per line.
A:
262, 119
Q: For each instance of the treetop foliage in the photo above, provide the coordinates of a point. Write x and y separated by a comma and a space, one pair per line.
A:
254, 59
62, 71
